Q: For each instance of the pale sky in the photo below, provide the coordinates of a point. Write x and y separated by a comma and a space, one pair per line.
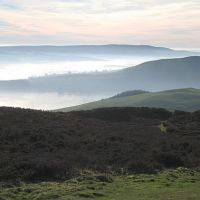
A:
170, 23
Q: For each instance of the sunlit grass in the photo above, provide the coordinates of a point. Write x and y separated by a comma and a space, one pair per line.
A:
180, 184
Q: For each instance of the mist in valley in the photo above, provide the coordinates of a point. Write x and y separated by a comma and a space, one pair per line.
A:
44, 101
28, 69
25, 70
51, 77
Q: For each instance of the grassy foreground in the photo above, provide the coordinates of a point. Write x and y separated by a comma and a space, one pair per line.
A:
179, 184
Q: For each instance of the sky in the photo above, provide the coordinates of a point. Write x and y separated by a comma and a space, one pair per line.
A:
170, 23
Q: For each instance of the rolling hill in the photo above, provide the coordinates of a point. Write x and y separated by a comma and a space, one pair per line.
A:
152, 76
180, 99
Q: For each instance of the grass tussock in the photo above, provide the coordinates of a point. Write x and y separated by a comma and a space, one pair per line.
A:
179, 184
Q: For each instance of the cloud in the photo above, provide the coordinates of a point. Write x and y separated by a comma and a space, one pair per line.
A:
8, 5
166, 22
4, 24
92, 6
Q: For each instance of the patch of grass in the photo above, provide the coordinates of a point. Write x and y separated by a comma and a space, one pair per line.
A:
163, 126
179, 184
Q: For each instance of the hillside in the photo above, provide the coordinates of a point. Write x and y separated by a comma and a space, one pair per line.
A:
179, 99
45, 146
128, 93
151, 76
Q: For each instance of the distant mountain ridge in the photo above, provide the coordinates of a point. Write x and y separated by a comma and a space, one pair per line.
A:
181, 99
82, 52
112, 48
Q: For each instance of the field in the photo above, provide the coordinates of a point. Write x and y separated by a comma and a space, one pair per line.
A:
179, 184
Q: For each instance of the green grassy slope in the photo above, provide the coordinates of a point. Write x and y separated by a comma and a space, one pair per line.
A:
180, 99
179, 184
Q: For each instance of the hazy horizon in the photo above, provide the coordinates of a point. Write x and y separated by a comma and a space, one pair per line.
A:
102, 44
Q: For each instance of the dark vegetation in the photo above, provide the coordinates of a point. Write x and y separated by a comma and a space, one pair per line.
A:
45, 146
